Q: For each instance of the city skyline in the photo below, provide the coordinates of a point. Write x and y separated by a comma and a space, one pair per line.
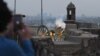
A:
56, 7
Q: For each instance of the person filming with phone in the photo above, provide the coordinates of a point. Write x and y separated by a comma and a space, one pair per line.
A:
10, 47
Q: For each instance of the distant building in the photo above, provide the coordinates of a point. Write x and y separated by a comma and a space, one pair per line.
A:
84, 25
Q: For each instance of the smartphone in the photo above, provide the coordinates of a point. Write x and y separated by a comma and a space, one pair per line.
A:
18, 22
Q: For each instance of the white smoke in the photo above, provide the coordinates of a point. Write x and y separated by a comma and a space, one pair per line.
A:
60, 23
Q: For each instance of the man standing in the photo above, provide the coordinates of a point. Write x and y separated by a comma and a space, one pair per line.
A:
10, 47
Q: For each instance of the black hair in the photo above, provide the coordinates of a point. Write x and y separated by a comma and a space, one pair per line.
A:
5, 16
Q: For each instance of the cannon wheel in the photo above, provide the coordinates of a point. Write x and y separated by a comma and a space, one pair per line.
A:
42, 29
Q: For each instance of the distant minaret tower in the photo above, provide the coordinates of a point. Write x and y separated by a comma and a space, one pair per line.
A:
71, 13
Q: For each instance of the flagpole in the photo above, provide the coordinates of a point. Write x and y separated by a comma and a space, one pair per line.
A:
41, 12
14, 7
17, 36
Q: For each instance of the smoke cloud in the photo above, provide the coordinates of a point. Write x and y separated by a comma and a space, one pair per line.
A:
60, 23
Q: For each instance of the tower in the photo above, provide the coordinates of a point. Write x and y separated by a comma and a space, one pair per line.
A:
70, 19
71, 13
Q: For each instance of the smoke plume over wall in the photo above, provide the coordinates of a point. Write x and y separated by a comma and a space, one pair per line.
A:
60, 23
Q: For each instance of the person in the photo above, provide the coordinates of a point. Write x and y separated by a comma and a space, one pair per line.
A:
10, 47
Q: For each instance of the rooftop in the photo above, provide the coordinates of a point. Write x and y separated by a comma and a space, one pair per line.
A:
71, 5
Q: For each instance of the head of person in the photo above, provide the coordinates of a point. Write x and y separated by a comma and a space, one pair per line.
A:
5, 17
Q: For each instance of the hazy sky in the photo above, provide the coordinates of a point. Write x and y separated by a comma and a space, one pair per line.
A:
56, 7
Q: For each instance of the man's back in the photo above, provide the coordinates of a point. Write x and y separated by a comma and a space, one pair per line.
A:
11, 48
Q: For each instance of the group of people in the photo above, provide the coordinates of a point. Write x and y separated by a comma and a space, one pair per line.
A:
9, 47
